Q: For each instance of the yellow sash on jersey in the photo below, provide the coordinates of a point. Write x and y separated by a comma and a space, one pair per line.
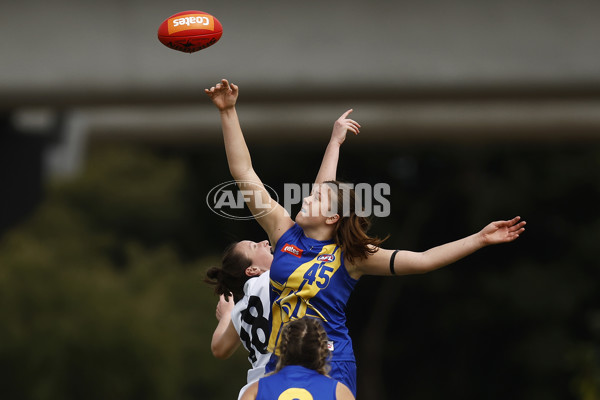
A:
302, 285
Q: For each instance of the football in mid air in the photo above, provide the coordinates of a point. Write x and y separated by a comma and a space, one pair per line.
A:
190, 31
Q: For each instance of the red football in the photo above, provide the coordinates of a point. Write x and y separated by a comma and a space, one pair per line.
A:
190, 31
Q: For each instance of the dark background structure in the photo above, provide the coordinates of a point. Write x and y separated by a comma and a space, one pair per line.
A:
471, 112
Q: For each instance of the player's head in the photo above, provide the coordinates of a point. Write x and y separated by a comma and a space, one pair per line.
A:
259, 253
333, 205
241, 261
304, 342
318, 208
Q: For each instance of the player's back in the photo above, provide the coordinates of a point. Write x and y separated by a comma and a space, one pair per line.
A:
296, 382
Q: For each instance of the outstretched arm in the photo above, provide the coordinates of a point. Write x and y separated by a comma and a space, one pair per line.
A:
409, 262
327, 171
273, 217
224, 96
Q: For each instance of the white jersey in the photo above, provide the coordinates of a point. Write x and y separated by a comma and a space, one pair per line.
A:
250, 317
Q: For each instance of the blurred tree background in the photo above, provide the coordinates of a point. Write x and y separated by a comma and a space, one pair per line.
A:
101, 291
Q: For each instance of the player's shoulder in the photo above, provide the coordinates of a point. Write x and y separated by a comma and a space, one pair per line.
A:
342, 392
291, 233
254, 286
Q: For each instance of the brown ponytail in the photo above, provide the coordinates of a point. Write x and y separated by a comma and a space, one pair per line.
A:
351, 230
229, 279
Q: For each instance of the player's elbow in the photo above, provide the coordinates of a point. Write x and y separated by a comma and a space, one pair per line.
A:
219, 352
219, 349
421, 264
241, 172
423, 269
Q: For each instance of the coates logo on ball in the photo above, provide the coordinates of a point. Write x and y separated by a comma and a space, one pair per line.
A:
190, 31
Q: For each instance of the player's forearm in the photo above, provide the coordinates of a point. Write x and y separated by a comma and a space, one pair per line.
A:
238, 155
219, 345
328, 169
449, 253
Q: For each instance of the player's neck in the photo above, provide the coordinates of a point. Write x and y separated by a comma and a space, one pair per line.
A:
321, 232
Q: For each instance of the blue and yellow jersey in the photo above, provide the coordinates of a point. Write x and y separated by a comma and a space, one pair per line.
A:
296, 382
308, 278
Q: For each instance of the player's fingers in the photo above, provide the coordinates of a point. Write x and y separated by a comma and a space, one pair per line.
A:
518, 227
514, 220
344, 115
355, 125
505, 224
514, 235
501, 224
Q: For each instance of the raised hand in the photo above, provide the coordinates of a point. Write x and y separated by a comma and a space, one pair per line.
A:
224, 94
342, 125
224, 306
502, 231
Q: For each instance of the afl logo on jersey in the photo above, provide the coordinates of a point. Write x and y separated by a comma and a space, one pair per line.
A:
291, 249
326, 257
